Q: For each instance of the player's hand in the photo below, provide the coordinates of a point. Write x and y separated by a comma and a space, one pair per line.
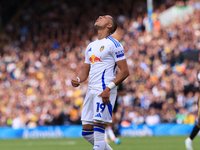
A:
105, 96
198, 76
75, 82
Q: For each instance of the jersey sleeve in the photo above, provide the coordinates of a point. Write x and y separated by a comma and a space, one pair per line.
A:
87, 61
118, 53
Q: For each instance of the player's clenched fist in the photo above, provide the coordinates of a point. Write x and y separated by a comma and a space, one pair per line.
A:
75, 82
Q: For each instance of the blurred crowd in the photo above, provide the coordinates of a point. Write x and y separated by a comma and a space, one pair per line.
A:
43, 49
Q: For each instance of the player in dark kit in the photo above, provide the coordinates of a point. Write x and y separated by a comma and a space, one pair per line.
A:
188, 141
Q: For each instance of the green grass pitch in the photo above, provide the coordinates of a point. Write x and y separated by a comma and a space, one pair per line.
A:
128, 143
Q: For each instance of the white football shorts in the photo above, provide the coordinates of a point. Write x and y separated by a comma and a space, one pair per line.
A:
94, 110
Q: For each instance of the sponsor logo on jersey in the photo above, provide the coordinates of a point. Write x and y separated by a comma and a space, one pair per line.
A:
98, 115
93, 59
119, 54
101, 49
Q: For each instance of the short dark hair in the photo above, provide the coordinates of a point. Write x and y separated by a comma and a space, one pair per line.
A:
114, 26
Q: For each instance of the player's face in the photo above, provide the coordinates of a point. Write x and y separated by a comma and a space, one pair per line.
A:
102, 21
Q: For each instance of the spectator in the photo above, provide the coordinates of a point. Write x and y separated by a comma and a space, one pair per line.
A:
152, 118
43, 47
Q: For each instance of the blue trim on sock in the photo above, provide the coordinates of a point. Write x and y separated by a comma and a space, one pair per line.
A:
87, 131
99, 128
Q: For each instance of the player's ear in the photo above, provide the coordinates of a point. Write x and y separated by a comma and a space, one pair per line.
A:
109, 26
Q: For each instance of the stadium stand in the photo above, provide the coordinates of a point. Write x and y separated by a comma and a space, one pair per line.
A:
44, 47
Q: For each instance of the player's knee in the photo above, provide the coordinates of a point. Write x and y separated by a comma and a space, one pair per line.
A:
87, 128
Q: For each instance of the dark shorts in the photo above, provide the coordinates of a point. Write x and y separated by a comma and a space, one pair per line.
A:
115, 106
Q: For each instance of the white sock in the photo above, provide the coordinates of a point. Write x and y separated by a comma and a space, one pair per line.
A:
189, 139
89, 138
111, 134
99, 141
88, 134
108, 147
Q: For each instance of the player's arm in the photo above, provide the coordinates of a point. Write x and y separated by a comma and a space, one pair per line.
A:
123, 74
82, 76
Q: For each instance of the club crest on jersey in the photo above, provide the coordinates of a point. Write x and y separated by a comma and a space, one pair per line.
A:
101, 49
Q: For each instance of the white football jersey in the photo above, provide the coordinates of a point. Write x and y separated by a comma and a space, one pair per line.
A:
102, 56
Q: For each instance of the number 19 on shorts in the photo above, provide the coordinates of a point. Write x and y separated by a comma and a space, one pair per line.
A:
100, 106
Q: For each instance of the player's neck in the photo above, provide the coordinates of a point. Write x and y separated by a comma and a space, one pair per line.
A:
102, 34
